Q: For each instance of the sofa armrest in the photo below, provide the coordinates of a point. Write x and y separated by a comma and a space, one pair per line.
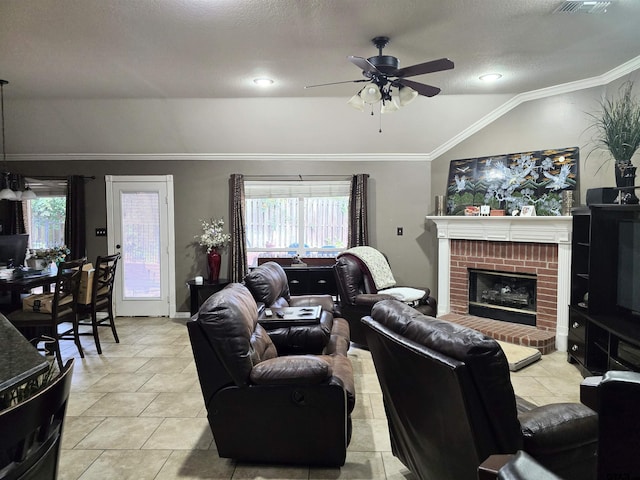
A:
558, 427
291, 370
520, 466
325, 301
589, 392
370, 299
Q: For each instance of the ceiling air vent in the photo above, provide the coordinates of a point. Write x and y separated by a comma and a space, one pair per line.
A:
569, 6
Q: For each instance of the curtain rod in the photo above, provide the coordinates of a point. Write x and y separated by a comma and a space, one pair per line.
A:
295, 178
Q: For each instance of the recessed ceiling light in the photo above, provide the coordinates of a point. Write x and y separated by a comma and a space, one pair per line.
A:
490, 77
263, 82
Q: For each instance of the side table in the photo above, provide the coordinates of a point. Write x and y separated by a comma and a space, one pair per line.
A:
198, 293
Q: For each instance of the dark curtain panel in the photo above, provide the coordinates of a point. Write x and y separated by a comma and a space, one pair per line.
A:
75, 234
358, 227
11, 212
238, 258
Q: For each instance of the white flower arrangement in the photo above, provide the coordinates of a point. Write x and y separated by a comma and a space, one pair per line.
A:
212, 235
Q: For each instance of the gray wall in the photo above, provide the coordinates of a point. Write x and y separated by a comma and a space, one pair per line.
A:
400, 193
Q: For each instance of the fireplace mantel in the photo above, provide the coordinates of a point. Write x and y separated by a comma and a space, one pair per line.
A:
505, 229
543, 229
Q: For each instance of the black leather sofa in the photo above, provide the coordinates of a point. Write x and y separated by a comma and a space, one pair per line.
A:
358, 293
261, 406
269, 286
450, 403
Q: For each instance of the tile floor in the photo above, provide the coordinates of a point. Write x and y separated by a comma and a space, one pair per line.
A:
136, 412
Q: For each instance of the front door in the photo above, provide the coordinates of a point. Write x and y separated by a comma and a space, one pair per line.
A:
140, 227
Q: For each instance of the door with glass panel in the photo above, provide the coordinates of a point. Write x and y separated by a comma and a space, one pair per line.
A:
140, 227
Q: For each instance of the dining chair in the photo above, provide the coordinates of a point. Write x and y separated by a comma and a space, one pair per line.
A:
101, 298
31, 431
36, 325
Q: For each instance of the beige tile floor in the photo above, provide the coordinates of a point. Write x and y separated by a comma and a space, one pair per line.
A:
136, 412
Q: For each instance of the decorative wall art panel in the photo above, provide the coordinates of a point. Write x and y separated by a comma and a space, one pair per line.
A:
508, 182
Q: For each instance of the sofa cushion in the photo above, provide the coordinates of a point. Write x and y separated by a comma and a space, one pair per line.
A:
229, 321
268, 283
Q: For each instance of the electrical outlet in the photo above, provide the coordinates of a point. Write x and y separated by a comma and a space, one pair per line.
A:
101, 232
400, 231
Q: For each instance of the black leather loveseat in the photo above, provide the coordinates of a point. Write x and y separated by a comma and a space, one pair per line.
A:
269, 285
450, 403
263, 407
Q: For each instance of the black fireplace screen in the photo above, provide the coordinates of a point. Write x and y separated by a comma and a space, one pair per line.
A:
510, 297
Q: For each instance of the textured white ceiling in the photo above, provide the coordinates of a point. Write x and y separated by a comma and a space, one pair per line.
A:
214, 48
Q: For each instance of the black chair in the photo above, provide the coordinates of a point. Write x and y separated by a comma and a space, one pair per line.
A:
358, 292
31, 432
101, 298
36, 325
450, 404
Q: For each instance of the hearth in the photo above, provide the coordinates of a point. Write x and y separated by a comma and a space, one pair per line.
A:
505, 296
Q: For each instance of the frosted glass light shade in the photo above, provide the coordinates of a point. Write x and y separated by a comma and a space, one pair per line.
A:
29, 194
371, 93
388, 107
356, 102
405, 96
7, 194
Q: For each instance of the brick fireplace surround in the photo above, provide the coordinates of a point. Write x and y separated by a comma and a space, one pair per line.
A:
532, 245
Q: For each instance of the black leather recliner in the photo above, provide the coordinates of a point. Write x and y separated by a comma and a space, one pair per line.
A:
450, 403
263, 407
358, 293
268, 284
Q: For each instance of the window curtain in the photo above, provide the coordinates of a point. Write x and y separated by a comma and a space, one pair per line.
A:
358, 225
75, 235
238, 248
11, 211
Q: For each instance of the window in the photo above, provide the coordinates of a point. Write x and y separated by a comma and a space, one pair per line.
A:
45, 215
305, 218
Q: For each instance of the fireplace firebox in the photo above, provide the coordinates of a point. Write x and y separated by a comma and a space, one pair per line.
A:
506, 296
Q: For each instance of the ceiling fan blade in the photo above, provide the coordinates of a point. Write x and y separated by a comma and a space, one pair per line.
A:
421, 88
427, 67
364, 65
336, 83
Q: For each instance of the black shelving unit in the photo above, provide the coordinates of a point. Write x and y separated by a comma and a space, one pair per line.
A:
602, 336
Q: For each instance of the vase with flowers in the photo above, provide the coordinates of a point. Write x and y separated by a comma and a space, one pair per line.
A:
214, 239
41, 258
617, 128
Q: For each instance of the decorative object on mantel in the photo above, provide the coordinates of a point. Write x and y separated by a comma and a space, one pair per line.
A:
617, 128
507, 182
214, 239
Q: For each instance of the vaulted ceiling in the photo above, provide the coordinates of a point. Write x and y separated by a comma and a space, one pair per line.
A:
215, 48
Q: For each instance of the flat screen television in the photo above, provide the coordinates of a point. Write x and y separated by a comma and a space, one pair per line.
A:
628, 287
13, 249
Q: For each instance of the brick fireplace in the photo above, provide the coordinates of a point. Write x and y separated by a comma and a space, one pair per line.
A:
538, 246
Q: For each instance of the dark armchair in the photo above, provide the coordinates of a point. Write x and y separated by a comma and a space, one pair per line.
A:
358, 293
268, 284
450, 403
263, 407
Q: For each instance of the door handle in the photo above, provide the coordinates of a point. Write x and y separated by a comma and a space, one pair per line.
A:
118, 246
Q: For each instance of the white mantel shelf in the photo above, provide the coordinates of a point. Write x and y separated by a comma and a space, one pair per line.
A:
505, 229
545, 229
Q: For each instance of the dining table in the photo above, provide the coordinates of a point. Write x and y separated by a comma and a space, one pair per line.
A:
23, 281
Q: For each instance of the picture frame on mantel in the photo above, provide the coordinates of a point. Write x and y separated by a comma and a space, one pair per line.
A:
528, 211
510, 181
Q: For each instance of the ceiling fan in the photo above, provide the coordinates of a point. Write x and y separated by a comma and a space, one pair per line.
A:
387, 82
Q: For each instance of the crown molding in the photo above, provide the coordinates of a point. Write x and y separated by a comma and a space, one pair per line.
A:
564, 88
315, 157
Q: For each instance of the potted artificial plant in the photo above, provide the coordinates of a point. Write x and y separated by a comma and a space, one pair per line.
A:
617, 128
